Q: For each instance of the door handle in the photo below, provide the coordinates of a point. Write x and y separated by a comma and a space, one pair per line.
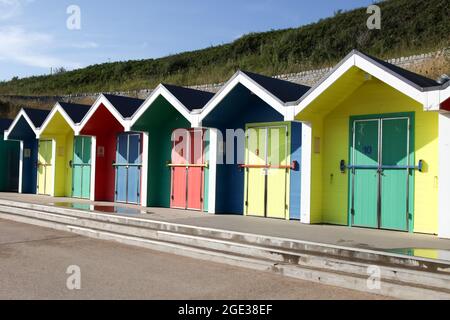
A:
342, 166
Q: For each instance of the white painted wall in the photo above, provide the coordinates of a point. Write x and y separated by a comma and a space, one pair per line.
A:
93, 166
212, 170
444, 175
305, 168
144, 170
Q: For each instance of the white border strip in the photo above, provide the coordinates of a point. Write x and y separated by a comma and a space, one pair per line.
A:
102, 100
357, 60
56, 109
241, 78
161, 90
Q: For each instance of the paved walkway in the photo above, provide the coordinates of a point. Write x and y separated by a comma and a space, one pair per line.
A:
34, 264
421, 245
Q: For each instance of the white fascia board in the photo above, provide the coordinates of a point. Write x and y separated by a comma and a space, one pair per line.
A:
390, 79
57, 108
242, 78
161, 91
23, 114
372, 69
102, 100
324, 85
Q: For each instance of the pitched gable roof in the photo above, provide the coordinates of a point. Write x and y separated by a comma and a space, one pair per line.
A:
37, 116
286, 91
191, 98
126, 106
414, 78
75, 111
5, 124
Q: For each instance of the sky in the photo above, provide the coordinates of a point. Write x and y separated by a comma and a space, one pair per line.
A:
37, 35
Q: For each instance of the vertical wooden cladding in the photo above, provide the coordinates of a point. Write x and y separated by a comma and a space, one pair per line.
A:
267, 171
267, 185
159, 122
9, 164
382, 181
187, 169
128, 168
372, 100
81, 167
22, 134
104, 126
45, 182
55, 153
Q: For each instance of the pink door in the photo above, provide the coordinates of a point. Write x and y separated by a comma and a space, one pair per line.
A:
179, 174
187, 169
195, 174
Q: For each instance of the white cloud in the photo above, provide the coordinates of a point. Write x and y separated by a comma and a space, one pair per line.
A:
11, 8
29, 48
85, 45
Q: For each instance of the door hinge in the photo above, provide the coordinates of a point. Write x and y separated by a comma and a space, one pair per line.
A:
246, 203
352, 212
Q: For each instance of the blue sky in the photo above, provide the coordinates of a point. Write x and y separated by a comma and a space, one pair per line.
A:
34, 36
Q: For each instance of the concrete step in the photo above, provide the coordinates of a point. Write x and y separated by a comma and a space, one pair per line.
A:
340, 252
396, 282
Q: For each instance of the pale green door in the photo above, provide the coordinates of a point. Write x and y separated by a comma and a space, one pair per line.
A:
277, 173
267, 172
81, 168
45, 169
256, 172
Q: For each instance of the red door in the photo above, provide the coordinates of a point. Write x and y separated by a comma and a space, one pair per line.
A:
187, 169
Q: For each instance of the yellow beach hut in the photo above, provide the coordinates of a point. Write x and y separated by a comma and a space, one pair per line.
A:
374, 143
56, 149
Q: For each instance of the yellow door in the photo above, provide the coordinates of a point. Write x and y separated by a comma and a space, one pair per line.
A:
277, 172
45, 170
256, 172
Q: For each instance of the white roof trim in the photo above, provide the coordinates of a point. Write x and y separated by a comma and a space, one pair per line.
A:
102, 100
253, 86
23, 114
362, 63
161, 90
56, 108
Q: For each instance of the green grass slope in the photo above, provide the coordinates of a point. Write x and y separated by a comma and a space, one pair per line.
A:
408, 27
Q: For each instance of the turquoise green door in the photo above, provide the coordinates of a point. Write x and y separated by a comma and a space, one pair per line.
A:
81, 168
395, 179
365, 178
381, 174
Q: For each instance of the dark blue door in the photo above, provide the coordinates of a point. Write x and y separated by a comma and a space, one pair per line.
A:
29, 168
128, 168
